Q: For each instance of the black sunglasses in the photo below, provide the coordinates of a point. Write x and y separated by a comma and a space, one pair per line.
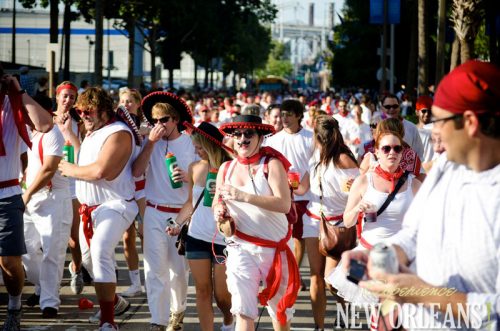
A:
395, 106
161, 120
373, 126
396, 148
425, 111
247, 134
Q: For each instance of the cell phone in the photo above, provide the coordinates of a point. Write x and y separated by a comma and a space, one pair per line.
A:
356, 272
171, 223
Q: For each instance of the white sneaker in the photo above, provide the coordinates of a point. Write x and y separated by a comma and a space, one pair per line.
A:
108, 327
121, 307
229, 327
76, 282
132, 291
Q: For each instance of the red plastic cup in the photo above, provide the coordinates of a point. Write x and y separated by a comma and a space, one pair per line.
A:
294, 179
85, 303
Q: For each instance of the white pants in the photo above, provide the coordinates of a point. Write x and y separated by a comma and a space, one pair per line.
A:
47, 229
165, 270
245, 269
110, 221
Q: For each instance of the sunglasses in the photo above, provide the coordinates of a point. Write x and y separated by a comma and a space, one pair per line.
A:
247, 134
83, 112
161, 120
395, 106
396, 148
373, 126
425, 111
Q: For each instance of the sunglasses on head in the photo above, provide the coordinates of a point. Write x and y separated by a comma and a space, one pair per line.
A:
247, 134
396, 148
395, 106
161, 120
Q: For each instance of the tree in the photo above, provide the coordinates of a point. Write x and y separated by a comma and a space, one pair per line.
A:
276, 64
423, 61
466, 17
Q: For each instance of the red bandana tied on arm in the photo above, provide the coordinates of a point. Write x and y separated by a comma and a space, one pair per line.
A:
263, 152
16, 103
392, 177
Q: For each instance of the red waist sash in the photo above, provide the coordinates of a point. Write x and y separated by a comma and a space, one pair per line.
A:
86, 212
163, 208
273, 278
9, 183
327, 218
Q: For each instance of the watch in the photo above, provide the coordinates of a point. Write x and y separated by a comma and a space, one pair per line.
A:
22, 91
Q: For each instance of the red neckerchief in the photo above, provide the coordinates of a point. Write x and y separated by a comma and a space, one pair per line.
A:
392, 177
16, 104
343, 115
266, 151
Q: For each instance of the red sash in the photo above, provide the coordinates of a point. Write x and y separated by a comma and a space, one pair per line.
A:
328, 218
9, 183
16, 104
273, 278
86, 212
164, 208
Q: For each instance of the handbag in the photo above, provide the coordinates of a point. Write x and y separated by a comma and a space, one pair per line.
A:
180, 243
334, 239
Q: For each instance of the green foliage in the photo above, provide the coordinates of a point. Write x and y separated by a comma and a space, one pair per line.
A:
481, 43
276, 64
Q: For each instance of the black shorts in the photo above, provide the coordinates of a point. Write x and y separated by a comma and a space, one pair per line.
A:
12, 226
200, 250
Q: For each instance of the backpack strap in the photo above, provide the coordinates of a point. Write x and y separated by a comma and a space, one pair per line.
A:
40, 153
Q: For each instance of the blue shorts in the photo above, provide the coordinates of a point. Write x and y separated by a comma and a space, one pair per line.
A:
12, 226
202, 250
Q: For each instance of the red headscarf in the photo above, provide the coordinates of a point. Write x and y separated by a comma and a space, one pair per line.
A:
473, 85
423, 102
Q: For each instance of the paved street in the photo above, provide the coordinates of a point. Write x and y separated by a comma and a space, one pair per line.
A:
71, 318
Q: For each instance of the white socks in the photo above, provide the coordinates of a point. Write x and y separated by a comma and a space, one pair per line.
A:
135, 277
14, 302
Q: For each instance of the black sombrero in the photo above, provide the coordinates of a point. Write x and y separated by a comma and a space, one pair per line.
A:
247, 122
180, 105
208, 131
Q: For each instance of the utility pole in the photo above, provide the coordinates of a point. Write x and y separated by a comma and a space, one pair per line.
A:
13, 31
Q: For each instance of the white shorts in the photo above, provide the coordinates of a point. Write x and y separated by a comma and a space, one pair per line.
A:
311, 227
245, 271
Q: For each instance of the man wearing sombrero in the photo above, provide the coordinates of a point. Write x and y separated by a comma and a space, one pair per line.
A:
166, 112
254, 191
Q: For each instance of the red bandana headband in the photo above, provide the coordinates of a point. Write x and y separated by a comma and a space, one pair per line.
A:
473, 85
66, 87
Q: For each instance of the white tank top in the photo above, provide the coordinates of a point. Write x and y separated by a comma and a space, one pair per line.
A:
332, 180
251, 219
202, 224
99, 191
389, 222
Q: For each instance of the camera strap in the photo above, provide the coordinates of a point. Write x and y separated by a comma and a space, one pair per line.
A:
194, 209
392, 195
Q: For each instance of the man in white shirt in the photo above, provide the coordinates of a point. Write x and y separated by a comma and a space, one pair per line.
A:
391, 109
48, 204
165, 270
14, 101
296, 143
357, 133
423, 111
343, 117
451, 231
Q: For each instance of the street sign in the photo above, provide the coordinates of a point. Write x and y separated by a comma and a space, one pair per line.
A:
377, 11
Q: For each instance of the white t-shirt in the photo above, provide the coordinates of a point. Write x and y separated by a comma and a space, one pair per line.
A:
10, 164
298, 148
425, 136
97, 192
52, 145
158, 187
344, 123
360, 132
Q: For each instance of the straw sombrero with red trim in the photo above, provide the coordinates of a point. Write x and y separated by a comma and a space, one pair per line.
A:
208, 131
180, 105
247, 122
